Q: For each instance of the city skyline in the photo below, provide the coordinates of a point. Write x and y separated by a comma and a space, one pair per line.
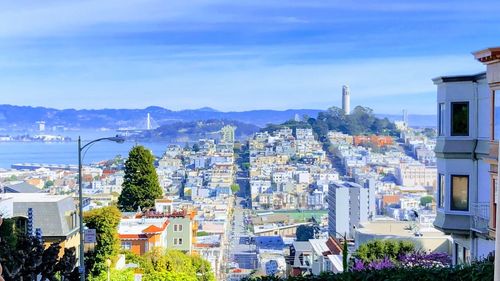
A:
237, 56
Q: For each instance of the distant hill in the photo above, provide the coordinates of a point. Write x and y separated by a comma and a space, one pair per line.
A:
194, 130
26, 117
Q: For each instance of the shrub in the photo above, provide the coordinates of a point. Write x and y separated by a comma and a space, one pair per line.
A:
425, 260
380, 249
477, 271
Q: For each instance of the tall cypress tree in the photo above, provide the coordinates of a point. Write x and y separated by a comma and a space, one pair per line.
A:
140, 185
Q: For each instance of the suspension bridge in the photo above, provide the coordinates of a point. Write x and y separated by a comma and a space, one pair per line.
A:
145, 124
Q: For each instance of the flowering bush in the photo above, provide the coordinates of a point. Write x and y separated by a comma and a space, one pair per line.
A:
415, 259
425, 260
481, 270
385, 263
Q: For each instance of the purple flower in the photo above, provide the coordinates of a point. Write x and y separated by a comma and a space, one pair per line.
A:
358, 265
381, 264
419, 259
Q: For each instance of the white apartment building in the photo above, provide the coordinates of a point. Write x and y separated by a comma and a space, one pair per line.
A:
349, 204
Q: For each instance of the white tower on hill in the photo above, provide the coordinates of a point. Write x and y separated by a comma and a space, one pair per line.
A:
346, 99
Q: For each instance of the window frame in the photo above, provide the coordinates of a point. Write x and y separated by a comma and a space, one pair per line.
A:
496, 94
129, 243
494, 202
451, 193
441, 118
178, 227
452, 133
441, 190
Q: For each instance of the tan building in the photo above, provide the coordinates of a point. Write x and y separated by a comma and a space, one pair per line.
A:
416, 174
55, 215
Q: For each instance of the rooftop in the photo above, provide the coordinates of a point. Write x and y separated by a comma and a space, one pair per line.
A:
34, 197
50, 212
396, 228
459, 78
141, 226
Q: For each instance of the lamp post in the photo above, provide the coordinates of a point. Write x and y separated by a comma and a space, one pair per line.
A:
116, 139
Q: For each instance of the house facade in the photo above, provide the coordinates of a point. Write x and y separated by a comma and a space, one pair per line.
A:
467, 161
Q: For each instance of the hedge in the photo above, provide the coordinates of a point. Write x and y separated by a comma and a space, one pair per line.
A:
477, 271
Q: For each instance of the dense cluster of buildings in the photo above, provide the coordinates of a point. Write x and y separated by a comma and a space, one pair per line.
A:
289, 170
193, 216
439, 192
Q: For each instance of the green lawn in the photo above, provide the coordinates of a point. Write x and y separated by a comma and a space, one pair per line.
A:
300, 216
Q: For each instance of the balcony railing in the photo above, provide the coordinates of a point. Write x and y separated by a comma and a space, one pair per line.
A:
480, 217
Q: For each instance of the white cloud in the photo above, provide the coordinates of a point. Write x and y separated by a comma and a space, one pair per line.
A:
56, 18
244, 84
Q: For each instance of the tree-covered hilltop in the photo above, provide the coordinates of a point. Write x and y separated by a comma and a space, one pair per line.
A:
361, 121
292, 124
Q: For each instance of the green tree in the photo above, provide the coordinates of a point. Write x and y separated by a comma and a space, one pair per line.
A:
48, 184
105, 221
115, 275
196, 147
168, 276
426, 200
140, 186
429, 132
235, 188
379, 249
345, 253
304, 233
8, 234
202, 268
161, 265
29, 258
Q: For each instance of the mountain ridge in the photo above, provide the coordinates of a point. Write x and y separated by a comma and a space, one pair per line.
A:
15, 116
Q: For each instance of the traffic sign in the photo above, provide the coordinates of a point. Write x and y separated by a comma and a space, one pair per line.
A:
90, 236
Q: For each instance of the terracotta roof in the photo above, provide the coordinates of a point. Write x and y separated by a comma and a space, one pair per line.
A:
166, 200
155, 229
488, 55
334, 246
132, 236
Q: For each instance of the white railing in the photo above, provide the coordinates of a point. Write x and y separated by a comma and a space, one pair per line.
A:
480, 216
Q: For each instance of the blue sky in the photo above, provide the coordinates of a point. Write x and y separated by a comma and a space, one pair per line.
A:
238, 55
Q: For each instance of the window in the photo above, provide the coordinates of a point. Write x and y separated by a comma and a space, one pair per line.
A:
466, 255
177, 241
459, 193
126, 245
441, 192
177, 227
460, 118
495, 204
441, 114
496, 115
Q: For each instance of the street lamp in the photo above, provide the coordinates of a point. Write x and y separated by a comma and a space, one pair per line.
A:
116, 139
